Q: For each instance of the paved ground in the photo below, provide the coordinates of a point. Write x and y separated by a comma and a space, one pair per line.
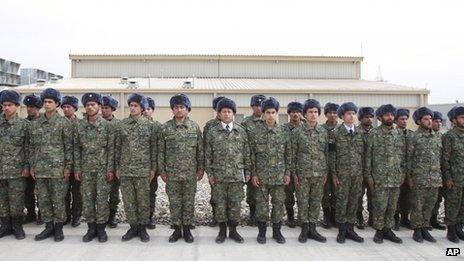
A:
204, 247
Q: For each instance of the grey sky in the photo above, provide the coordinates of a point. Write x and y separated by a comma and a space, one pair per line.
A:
416, 43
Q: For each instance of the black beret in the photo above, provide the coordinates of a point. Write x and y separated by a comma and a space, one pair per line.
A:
52, 94
330, 107
347, 106
294, 106
256, 100
402, 112
438, 116
311, 103
216, 100
91, 97
459, 111
180, 99
364, 111
270, 103
33, 100
10, 96
110, 101
386, 108
226, 103
70, 100
138, 98
151, 103
421, 112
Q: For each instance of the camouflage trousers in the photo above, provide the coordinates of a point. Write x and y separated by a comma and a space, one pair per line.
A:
114, 194
181, 196
153, 189
95, 192
405, 200
368, 192
29, 195
441, 195
73, 198
277, 193
424, 201
11, 197
51, 193
309, 195
135, 196
454, 205
346, 199
251, 194
290, 194
228, 197
384, 201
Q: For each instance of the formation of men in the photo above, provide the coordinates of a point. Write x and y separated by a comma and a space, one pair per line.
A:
68, 167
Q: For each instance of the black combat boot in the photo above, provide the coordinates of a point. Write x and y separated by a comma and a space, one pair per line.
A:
341, 237
396, 226
233, 234
47, 232
101, 233
313, 234
143, 235
427, 237
417, 236
262, 226
253, 219
388, 234
360, 218
221, 237
6, 228
351, 234
17, 227
59, 236
435, 223
176, 235
91, 232
131, 233
451, 234
303, 237
378, 237
326, 221
112, 223
291, 217
277, 234
459, 231
152, 222
188, 237
405, 222
76, 221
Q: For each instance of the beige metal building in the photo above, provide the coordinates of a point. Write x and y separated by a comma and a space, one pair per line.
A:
203, 77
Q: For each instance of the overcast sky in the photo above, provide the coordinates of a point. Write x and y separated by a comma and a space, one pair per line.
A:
415, 43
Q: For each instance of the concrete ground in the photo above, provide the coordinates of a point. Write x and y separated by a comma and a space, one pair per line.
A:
205, 248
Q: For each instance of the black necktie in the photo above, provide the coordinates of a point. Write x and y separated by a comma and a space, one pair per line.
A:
227, 128
351, 132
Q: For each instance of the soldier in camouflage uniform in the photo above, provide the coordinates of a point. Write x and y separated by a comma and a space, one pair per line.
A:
148, 112
384, 173
109, 105
437, 124
271, 156
181, 164
424, 154
366, 117
14, 137
33, 105
294, 110
209, 124
347, 176
406, 198
69, 105
94, 166
453, 175
136, 165
310, 167
249, 123
328, 196
51, 161
228, 164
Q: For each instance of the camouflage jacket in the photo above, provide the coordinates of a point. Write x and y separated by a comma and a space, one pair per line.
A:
310, 152
365, 134
406, 134
94, 147
349, 149
114, 124
51, 146
73, 121
453, 156
424, 154
331, 139
136, 147
270, 153
180, 150
385, 156
250, 122
227, 154
14, 146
